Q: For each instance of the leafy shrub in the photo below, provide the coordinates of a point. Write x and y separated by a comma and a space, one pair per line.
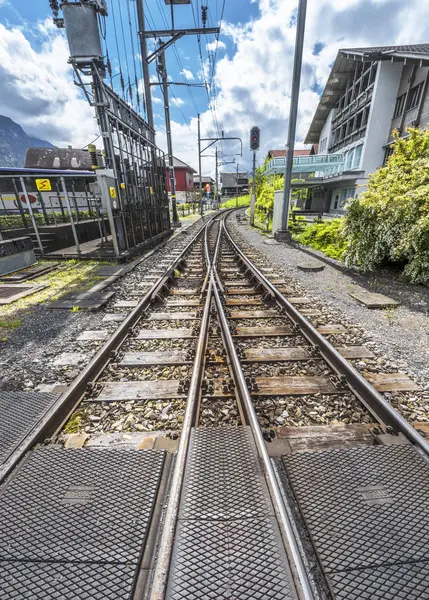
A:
389, 223
327, 236
233, 202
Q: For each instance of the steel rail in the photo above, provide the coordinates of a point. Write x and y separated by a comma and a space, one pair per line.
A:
378, 406
69, 400
252, 419
160, 578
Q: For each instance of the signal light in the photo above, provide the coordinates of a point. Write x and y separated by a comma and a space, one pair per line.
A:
255, 133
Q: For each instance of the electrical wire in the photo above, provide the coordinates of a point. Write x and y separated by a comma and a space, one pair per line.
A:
134, 54
125, 47
117, 49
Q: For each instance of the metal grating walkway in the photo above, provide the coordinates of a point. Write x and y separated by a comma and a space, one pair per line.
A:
73, 523
367, 513
19, 414
228, 543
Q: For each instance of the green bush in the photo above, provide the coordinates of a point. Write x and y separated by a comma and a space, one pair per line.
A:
327, 236
389, 223
15, 220
233, 202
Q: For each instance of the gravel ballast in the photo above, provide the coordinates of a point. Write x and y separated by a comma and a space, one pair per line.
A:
399, 336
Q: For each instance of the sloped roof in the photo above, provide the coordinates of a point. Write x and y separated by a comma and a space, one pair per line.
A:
179, 164
345, 64
60, 158
204, 179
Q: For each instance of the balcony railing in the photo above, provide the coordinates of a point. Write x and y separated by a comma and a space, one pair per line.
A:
327, 163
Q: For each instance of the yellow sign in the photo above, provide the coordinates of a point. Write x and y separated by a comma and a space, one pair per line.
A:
122, 186
151, 190
112, 191
43, 185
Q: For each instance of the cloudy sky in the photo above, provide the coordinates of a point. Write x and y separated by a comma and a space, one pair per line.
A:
250, 80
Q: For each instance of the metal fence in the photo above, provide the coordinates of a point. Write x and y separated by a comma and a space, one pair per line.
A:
35, 203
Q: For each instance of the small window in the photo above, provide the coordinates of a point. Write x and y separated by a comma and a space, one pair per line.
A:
399, 107
414, 96
388, 153
356, 158
343, 197
358, 122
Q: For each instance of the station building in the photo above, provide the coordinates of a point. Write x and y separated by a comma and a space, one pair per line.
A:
369, 93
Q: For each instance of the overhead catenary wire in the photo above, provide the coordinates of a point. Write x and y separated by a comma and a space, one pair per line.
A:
134, 54
117, 49
125, 47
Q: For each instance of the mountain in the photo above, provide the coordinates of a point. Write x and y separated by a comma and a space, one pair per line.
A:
14, 143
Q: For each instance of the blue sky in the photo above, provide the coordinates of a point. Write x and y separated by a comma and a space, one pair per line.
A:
252, 75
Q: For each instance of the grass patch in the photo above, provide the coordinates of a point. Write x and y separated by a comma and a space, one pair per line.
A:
10, 323
233, 202
71, 276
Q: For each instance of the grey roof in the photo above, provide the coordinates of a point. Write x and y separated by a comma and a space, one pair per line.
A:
416, 51
179, 164
229, 180
345, 64
204, 179
59, 158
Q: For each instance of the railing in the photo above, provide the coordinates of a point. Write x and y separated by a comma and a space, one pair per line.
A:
328, 163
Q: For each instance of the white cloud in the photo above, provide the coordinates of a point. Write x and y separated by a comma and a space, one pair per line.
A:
187, 74
156, 100
254, 84
211, 46
37, 89
177, 101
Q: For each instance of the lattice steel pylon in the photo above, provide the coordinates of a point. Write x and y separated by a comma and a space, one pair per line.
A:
133, 183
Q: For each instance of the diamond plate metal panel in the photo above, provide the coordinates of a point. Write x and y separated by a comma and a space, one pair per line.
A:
399, 582
215, 560
65, 581
19, 414
364, 507
88, 505
223, 478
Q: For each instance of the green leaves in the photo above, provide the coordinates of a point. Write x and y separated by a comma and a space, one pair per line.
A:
390, 221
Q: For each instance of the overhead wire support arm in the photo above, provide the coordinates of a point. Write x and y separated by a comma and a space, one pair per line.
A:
175, 34
196, 31
219, 139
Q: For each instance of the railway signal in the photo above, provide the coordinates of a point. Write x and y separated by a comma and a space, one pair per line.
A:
255, 134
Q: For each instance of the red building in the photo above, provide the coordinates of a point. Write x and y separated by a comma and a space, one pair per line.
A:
184, 177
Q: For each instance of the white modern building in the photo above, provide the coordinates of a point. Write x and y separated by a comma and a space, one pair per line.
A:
369, 92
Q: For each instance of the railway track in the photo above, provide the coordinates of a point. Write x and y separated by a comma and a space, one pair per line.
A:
209, 364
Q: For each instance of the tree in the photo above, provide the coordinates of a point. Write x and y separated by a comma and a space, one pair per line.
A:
389, 223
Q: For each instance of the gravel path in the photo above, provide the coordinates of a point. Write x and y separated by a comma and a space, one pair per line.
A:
26, 359
400, 336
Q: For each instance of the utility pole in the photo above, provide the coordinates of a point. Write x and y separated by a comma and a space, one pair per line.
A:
216, 184
236, 185
163, 72
283, 234
255, 141
199, 165
143, 50
253, 197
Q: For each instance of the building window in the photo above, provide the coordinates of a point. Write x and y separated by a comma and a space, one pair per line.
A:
414, 96
349, 159
387, 154
399, 107
356, 158
358, 122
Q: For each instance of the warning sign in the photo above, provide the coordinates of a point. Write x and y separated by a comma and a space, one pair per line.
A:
112, 191
43, 185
